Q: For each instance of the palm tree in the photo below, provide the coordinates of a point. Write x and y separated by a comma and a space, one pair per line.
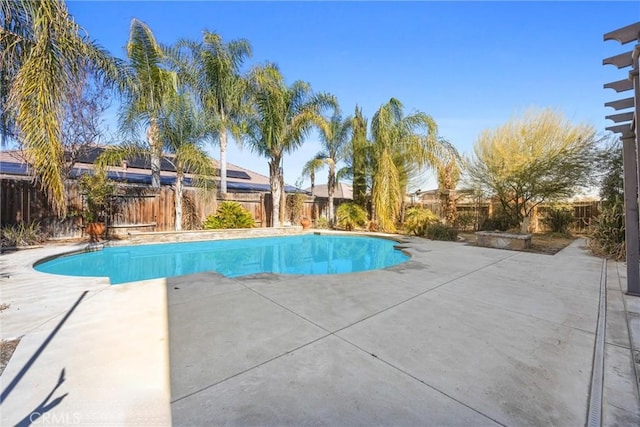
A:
448, 177
182, 128
282, 118
216, 78
150, 85
334, 136
310, 168
401, 146
43, 53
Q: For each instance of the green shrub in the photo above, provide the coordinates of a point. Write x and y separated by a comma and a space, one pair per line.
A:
417, 220
558, 219
322, 222
21, 235
350, 215
464, 220
97, 190
500, 221
229, 215
437, 231
607, 232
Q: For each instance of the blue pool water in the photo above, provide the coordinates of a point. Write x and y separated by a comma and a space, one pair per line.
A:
306, 254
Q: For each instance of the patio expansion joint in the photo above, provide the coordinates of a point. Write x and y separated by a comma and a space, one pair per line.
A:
501, 307
425, 292
333, 333
413, 377
193, 393
620, 346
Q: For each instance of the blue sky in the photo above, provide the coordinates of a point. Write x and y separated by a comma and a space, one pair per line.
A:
470, 65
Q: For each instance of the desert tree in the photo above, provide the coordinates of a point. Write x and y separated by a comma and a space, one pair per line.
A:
538, 157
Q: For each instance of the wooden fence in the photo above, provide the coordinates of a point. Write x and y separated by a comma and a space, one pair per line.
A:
140, 208
133, 208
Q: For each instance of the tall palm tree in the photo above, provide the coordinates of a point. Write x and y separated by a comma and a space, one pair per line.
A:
43, 53
281, 119
448, 174
401, 145
216, 78
310, 168
334, 135
182, 128
150, 86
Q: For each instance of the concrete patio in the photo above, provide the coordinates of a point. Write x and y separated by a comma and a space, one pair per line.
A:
459, 335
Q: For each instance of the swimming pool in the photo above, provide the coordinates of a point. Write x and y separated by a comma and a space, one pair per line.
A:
306, 254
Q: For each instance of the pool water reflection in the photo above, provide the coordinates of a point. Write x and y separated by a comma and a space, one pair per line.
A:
306, 254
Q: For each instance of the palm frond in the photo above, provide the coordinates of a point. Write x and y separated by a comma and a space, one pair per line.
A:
44, 54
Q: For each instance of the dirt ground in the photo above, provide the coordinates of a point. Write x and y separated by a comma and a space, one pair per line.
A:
7, 347
548, 243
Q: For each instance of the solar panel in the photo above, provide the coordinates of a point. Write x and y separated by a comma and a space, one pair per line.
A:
13, 168
236, 174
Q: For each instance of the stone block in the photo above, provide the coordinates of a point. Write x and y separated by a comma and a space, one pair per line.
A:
512, 241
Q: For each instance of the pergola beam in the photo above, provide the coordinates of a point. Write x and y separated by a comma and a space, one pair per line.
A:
630, 136
624, 35
620, 104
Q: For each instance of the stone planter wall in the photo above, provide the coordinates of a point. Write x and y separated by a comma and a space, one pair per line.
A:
492, 239
200, 235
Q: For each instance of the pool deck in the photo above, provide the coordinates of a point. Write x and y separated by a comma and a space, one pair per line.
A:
459, 335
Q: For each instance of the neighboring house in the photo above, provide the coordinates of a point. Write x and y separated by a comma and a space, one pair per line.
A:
139, 206
138, 171
343, 193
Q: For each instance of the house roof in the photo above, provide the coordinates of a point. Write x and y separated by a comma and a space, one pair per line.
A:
138, 171
343, 191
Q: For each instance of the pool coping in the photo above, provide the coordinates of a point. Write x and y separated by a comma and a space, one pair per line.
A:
47, 293
150, 406
97, 246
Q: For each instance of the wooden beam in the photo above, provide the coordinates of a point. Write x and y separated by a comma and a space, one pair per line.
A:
620, 104
622, 117
620, 61
625, 34
620, 85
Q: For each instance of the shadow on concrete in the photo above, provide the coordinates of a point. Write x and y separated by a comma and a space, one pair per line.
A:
45, 406
39, 351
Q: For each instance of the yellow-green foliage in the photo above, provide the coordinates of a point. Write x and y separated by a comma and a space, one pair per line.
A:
350, 215
97, 190
417, 220
401, 147
229, 215
538, 157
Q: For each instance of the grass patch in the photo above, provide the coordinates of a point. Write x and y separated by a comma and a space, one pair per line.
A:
7, 347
